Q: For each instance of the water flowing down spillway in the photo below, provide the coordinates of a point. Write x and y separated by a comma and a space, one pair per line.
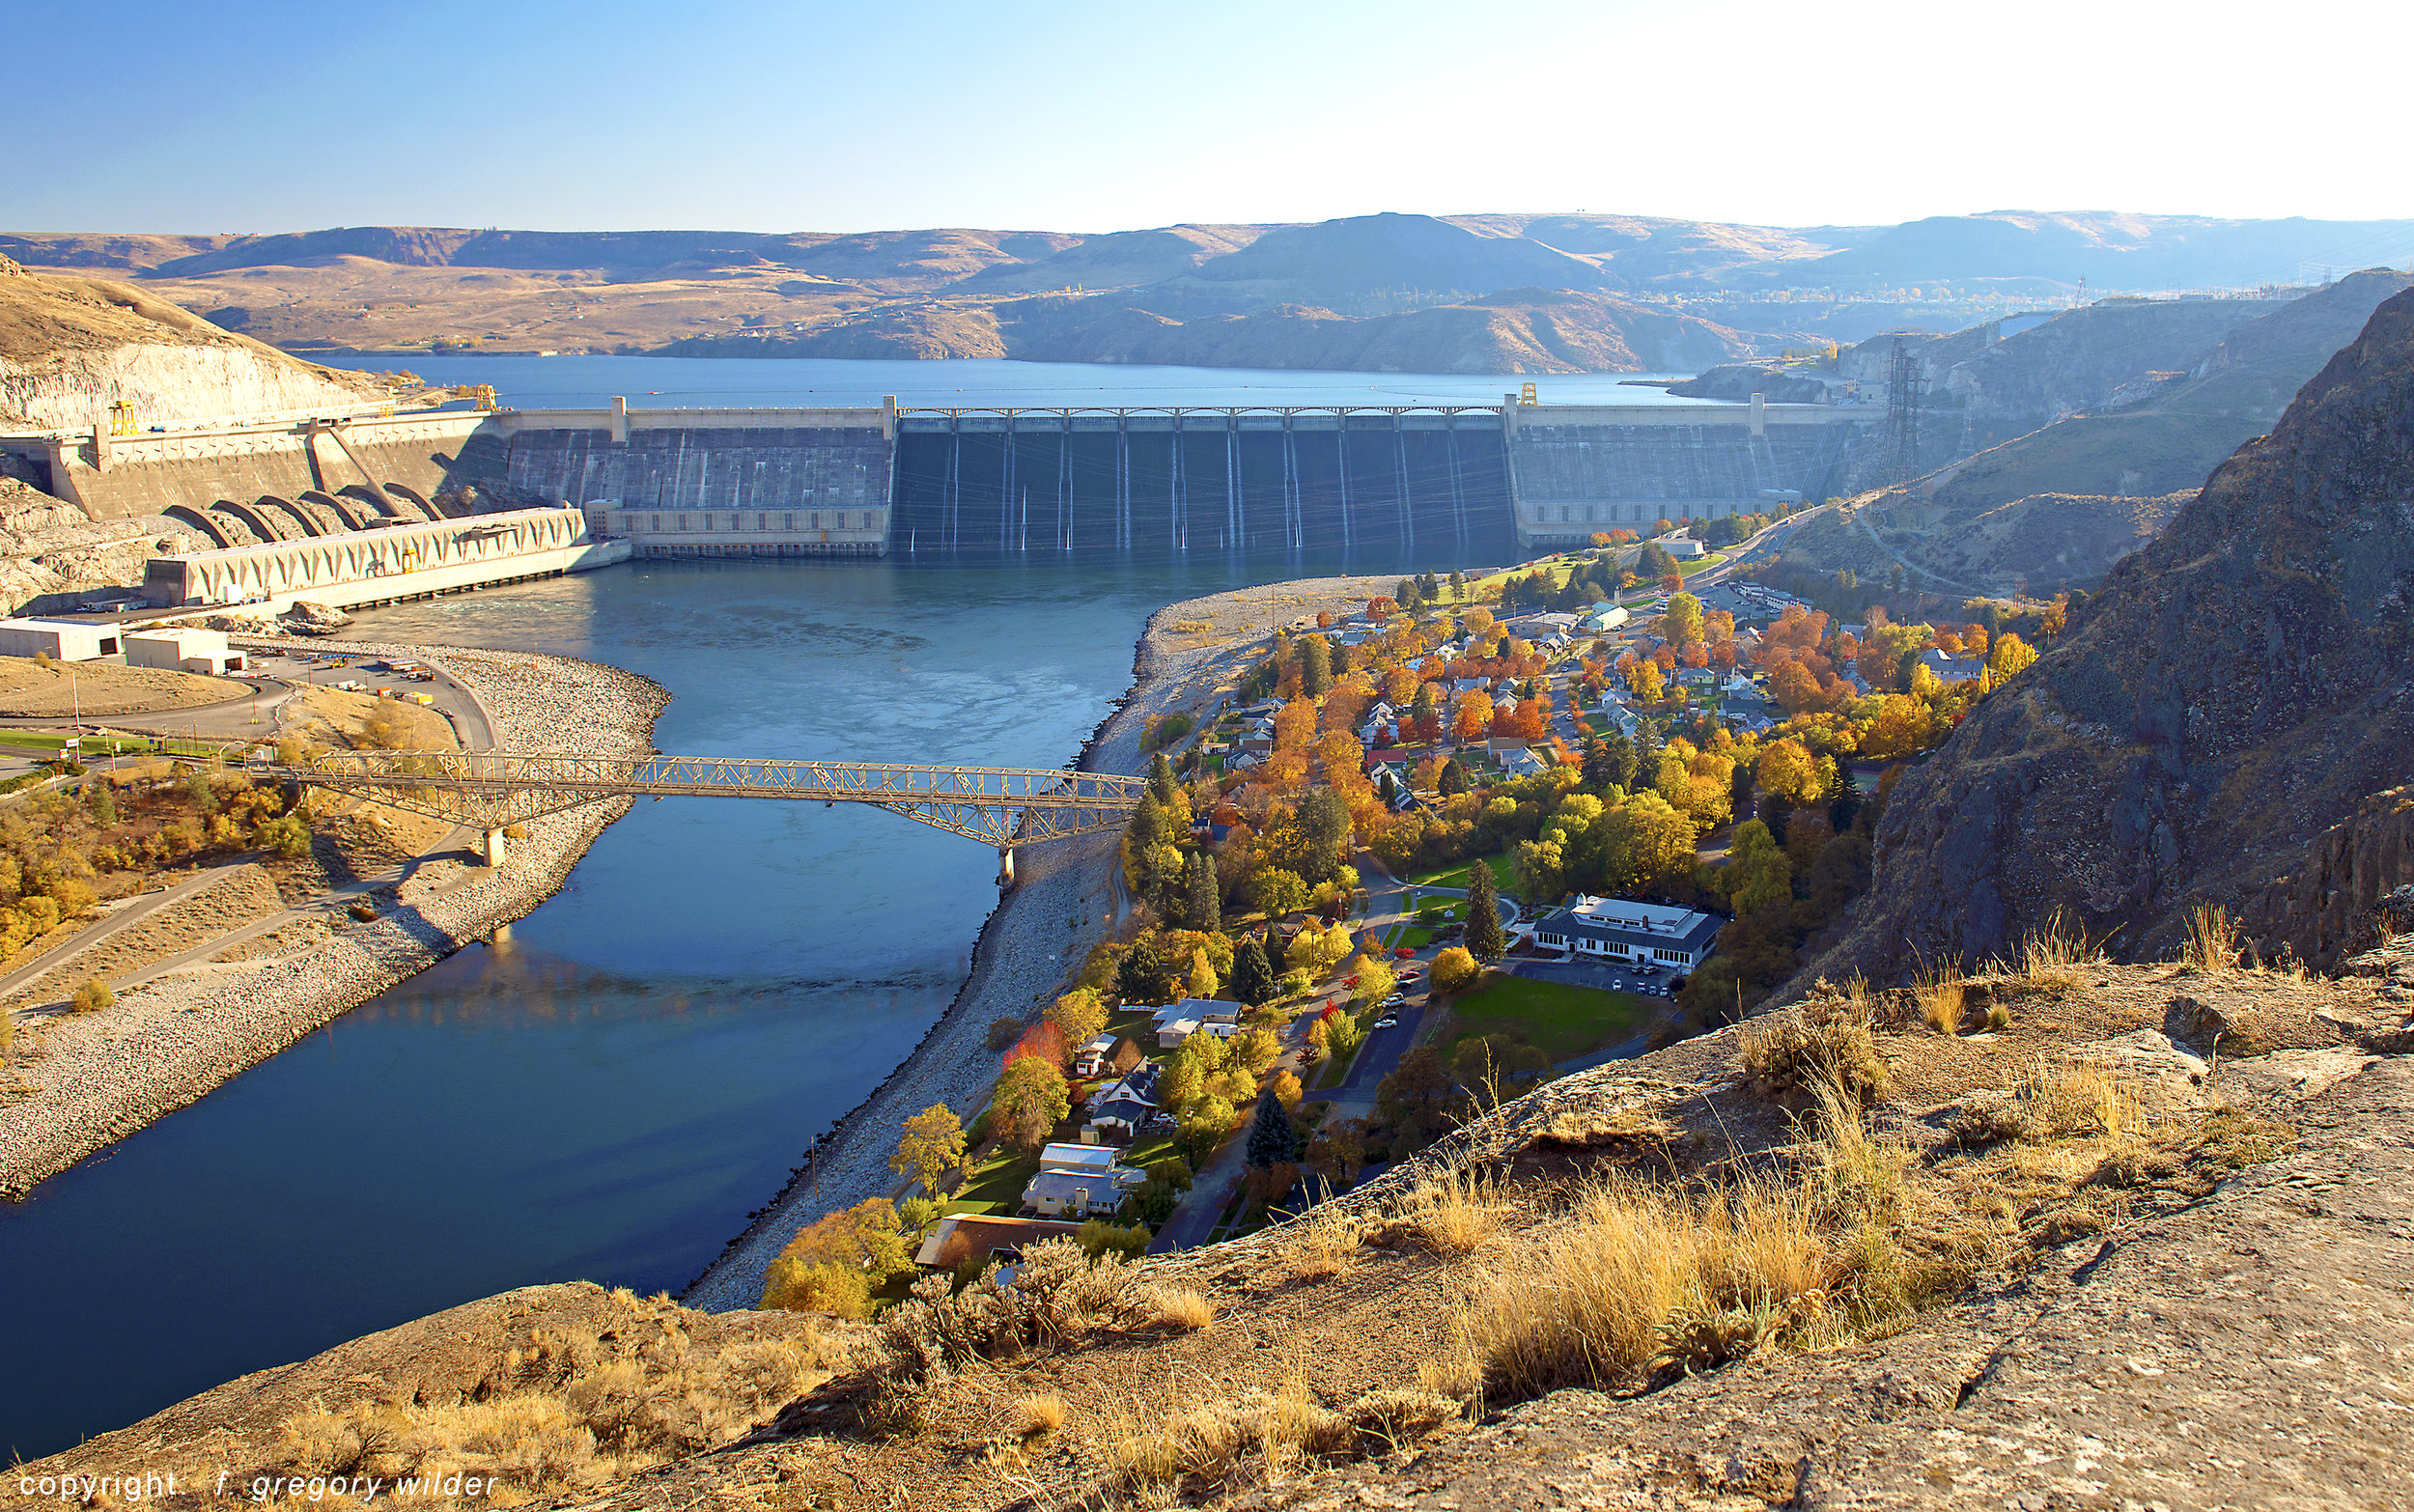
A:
1381, 496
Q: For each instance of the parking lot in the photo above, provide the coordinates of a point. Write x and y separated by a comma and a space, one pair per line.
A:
1606, 975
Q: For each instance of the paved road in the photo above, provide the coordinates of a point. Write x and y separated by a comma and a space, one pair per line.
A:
117, 922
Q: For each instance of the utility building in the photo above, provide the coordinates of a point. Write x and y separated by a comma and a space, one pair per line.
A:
61, 640
184, 650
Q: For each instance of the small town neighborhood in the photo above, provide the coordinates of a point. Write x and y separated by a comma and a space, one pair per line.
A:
1481, 833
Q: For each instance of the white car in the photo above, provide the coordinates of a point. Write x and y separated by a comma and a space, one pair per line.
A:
1387, 1022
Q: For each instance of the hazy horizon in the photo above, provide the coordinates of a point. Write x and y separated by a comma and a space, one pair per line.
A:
760, 117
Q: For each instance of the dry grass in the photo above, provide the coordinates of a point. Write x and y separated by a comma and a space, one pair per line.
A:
1825, 1038
2062, 1099
1039, 1416
1263, 1439
1941, 997
2055, 958
2212, 941
1645, 1273
1182, 1308
577, 1409
1457, 1212
1326, 1244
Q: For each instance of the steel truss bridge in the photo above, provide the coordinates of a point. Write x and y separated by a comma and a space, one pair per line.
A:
1003, 807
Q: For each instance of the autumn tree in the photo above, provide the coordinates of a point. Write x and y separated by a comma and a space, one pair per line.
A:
1079, 1015
1277, 890
1031, 1101
1644, 679
2010, 658
1759, 873
1788, 770
1681, 624
930, 1145
835, 1265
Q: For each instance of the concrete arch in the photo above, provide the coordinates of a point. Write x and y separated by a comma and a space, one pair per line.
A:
370, 501
427, 511
239, 529
356, 516
200, 522
331, 521
303, 525
263, 523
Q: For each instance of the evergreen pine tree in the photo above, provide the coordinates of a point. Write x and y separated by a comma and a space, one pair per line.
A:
1160, 779
1842, 799
1453, 779
1458, 584
1484, 940
1202, 900
1272, 1140
105, 806
1739, 788
1254, 979
1141, 976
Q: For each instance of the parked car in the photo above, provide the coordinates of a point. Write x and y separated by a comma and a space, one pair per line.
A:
1387, 1022
1411, 974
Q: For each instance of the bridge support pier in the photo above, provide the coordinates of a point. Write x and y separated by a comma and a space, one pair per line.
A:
1005, 868
493, 848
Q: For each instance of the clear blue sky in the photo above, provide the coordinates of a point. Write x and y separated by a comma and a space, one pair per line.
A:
795, 116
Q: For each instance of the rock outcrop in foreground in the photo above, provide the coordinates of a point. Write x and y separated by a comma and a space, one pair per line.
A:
2227, 723
2113, 1236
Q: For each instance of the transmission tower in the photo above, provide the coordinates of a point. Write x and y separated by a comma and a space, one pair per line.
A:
1904, 386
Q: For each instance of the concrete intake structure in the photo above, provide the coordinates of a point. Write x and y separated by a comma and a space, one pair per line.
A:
383, 566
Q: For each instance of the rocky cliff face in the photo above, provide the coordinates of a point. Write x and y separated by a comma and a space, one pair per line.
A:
70, 347
50, 554
2211, 728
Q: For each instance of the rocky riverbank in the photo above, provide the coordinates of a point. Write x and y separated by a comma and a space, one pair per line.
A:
1191, 655
93, 1079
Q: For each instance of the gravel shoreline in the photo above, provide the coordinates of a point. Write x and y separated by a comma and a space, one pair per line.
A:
98, 1077
1024, 954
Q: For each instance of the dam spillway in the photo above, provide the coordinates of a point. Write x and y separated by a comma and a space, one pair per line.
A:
1421, 485
1221, 480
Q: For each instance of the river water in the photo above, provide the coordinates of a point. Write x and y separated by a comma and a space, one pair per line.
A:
608, 1092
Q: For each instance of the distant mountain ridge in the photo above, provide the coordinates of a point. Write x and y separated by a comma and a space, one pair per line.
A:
1171, 293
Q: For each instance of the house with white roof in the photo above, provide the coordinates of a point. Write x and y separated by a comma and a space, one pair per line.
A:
1620, 929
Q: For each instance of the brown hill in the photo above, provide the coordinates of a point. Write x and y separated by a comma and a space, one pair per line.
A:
2228, 722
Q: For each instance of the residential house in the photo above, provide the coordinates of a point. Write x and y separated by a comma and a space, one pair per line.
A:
1095, 1056
1620, 929
1951, 670
1519, 763
1121, 1107
979, 1236
1079, 1180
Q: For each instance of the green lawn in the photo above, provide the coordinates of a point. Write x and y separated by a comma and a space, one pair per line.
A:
1414, 936
1504, 873
1562, 1021
997, 1184
1699, 564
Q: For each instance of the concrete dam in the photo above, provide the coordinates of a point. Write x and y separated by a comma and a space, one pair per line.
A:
1406, 485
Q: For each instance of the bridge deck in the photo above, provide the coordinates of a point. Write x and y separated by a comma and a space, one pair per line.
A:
1003, 807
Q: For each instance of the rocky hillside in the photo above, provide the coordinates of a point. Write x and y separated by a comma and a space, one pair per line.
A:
2227, 723
1860, 1251
52, 555
72, 347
